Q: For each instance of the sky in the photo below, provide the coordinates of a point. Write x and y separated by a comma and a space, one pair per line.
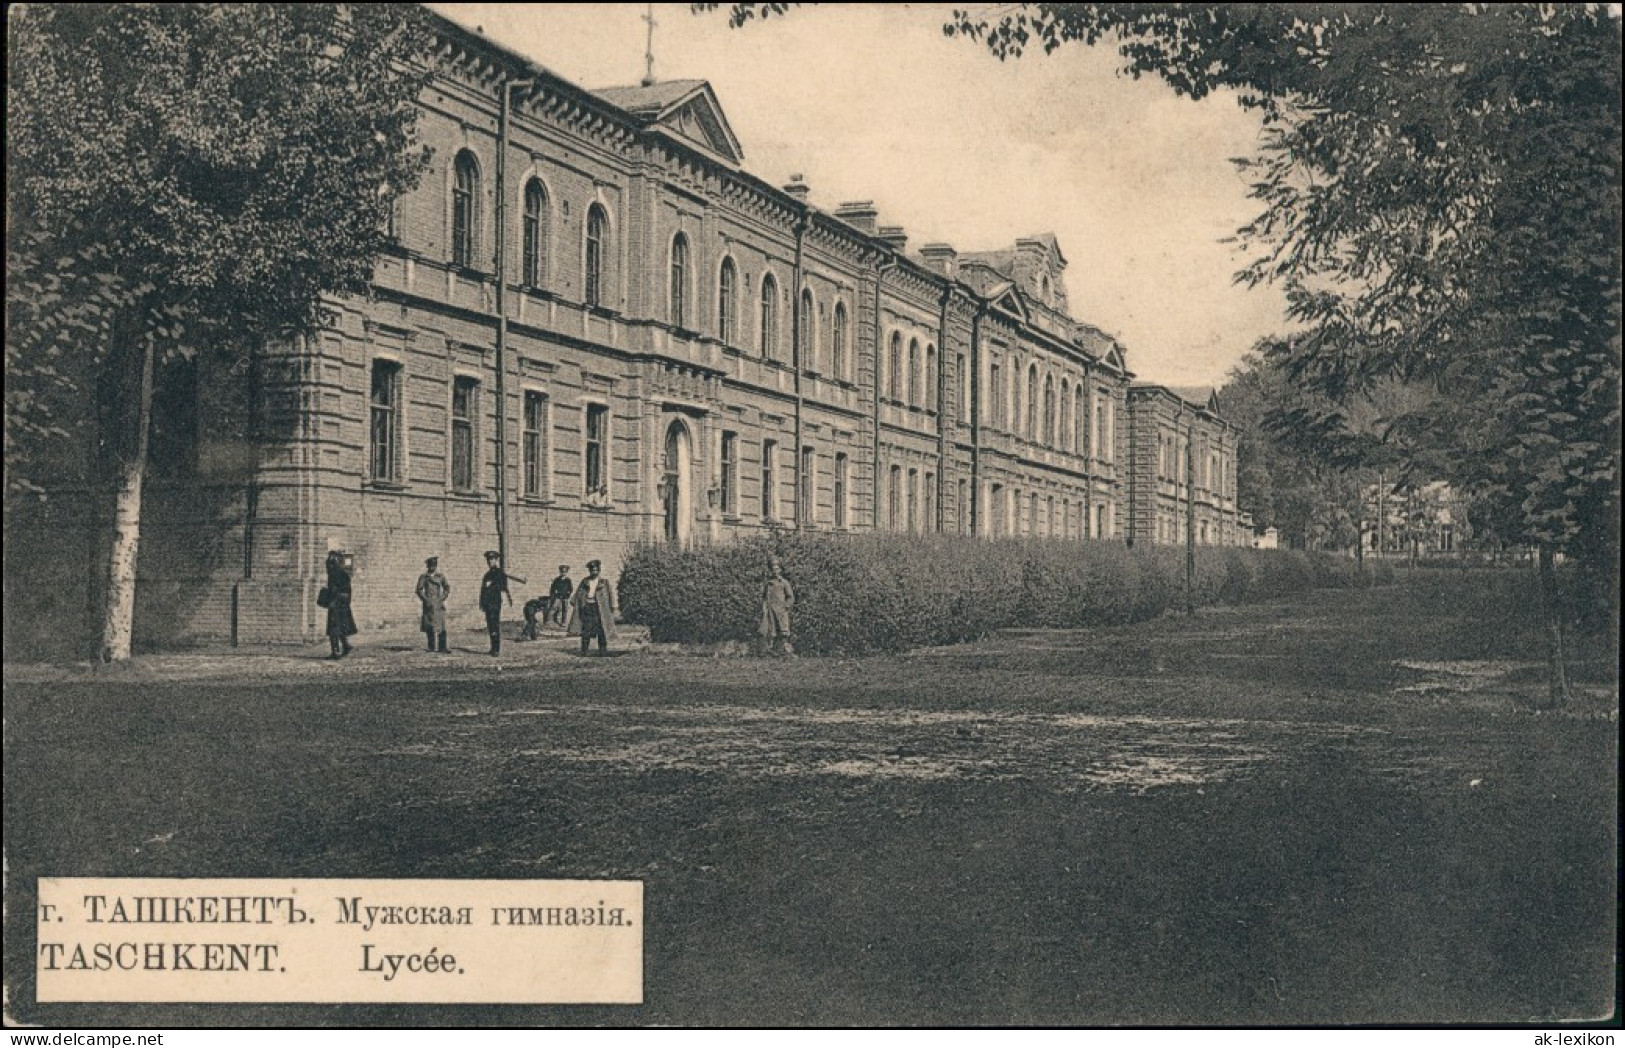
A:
871, 102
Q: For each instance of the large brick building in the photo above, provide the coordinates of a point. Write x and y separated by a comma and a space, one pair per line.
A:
676, 351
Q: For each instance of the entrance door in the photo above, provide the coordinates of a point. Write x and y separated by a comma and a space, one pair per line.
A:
676, 490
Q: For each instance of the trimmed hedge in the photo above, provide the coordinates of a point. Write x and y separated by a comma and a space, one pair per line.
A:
862, 593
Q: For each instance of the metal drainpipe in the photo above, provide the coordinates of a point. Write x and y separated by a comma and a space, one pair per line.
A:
976, 418
942, 425
1190, 514
797, 324
503, 118
886, 266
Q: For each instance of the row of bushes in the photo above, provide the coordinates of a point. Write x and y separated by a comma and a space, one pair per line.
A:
886, 593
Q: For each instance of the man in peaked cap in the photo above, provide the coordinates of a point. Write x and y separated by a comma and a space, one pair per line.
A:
493, 588
594, 604
432, 591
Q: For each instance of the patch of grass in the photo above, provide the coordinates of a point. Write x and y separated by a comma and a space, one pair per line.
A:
1380, 857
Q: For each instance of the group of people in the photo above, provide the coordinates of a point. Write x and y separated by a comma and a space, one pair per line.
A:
588, 607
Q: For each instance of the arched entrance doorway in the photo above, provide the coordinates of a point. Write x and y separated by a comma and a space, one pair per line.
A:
676, 487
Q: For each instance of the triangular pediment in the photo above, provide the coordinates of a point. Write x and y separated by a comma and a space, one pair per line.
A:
1114, 358
683, 109
1010, 301
700, 121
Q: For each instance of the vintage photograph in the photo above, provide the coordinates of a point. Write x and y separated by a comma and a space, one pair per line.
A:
827, 515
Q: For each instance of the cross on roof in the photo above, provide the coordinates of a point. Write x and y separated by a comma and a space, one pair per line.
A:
649, 49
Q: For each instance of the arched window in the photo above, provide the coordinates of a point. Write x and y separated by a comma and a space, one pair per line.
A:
837, 342
770, 316
1049, 411
465, 196
1065, 420
534, 272
1032, 402
804, 333
929, 394
894, 372
912, 395
597, 230
1080, 420
679, 281
728, 302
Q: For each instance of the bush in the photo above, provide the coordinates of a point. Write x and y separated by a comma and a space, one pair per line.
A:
863, 593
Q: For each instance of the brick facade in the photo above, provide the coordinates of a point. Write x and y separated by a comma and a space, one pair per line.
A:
1000, 414
1184, 470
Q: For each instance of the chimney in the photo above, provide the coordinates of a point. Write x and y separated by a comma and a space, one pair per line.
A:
894, 237
859, 214
798, 188
942, 258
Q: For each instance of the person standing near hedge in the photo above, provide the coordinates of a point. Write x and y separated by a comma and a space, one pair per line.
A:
335, 597
432, 591
594, 604
778, 597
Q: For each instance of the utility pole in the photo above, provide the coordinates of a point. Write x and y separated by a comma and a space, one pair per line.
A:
1190, 518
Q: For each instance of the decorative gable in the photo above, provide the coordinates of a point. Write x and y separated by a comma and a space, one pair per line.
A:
700, 121
1010, 301
683, 109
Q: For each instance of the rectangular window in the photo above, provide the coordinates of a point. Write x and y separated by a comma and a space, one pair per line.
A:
894, 498
928, 499
1100, 522
963, 377
804, 487
770, 451
913, 500
962, 508
464, 405
386, 421
595, 464
840, 490
995, 389
729, 481
996, 510
534, 444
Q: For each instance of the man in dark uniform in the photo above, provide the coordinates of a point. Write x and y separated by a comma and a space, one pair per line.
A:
493, 588
559, 597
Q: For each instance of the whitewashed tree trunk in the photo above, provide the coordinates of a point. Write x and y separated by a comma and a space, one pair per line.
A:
118, 619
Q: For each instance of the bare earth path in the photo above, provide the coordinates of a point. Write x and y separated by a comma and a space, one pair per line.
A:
1327, 810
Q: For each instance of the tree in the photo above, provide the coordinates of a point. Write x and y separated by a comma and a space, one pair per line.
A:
1441, 205
187, 179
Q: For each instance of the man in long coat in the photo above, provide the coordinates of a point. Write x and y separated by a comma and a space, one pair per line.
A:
594, 607
433, 589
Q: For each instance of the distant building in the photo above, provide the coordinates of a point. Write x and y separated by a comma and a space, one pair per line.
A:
1184, 472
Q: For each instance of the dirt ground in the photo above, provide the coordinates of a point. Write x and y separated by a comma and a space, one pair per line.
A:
1330, 810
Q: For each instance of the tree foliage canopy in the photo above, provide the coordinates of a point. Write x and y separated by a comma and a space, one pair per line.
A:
193, 174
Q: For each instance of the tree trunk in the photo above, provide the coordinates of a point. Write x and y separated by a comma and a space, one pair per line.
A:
118, 616
1556, 674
